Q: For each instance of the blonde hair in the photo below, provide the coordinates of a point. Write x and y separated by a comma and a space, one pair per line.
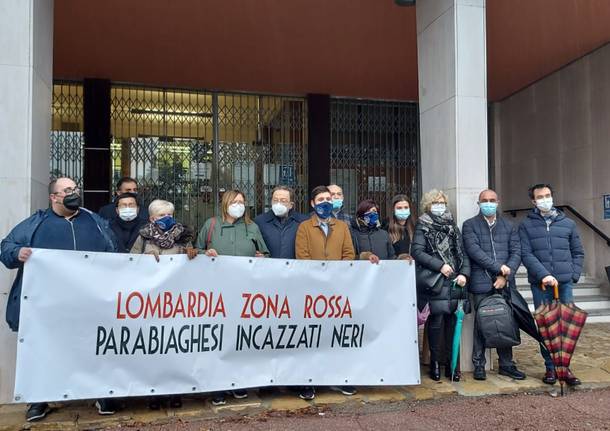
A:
430, 197
159, 206
227, 198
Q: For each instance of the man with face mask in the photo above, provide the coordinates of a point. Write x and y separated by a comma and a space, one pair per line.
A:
63, 226
552, 252
336, 194
124, 185
492, 244
126, 225
322, 237
279, 225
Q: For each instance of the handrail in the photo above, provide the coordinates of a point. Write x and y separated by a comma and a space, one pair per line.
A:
591, 226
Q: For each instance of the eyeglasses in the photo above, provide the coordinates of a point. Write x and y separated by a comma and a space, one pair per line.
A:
280, 201
68, 191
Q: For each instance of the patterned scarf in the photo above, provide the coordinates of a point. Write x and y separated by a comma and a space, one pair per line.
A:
443, 235
178, 233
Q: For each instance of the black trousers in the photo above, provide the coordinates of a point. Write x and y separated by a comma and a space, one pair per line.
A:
505, 355
440, 337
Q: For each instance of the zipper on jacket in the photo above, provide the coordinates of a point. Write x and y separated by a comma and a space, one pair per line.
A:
73, 234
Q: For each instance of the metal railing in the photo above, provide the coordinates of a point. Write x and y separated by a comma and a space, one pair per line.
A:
578, 215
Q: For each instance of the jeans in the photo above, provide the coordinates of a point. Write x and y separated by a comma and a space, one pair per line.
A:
546, 297
505, 355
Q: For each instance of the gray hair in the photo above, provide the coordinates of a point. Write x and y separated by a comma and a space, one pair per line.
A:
159, 206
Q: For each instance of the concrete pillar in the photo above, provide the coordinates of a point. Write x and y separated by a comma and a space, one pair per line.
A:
453, 109
26, 86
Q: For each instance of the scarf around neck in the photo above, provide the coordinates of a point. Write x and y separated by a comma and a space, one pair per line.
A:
444, 237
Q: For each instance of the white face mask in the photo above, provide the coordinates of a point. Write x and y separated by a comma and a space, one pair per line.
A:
236, 210
280, 210
544, 204
128, 214
438, 209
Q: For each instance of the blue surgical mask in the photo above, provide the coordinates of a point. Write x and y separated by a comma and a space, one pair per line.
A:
371, 218
438, 209
323, 209
337, 204
166, 223
488, 208
402, 214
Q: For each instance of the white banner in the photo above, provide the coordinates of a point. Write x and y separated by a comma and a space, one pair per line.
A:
113, 325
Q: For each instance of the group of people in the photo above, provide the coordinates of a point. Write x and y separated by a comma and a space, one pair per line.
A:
452, 264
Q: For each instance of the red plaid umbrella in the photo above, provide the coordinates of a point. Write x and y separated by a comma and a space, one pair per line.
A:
560, 326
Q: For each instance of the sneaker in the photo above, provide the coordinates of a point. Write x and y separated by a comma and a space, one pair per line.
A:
105, 406
307, 393
479, 373
511, 372
36, 412
549, 377
240, 394
219, 400
345, 390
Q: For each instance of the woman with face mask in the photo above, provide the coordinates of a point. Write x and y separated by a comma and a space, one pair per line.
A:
442, 269
162, 235
126, 224
370, 241
232, 234
401, 226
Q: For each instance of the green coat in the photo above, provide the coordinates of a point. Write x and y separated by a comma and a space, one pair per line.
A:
232, 239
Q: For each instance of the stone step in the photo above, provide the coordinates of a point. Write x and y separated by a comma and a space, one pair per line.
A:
601, 315
587, 303
578, 291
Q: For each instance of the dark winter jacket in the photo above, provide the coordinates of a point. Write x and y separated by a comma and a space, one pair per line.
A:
426, 257
551, 250
490, 247
126, 232
374, 240
22, 235
280, 235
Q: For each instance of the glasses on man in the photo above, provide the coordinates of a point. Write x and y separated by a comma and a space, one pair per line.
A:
68, 190
280, 201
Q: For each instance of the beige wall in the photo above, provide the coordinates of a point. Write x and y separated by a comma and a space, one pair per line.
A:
558, 131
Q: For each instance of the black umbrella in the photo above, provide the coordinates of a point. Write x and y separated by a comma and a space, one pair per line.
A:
521, 313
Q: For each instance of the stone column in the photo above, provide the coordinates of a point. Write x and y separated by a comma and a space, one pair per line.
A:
453, 109
26, 87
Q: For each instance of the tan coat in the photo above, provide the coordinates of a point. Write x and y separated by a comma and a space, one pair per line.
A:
150, 247
311, 243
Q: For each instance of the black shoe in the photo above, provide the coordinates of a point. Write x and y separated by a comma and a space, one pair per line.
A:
345, 390
307, 393
457, 375
512, 372
549, 377
435, 371
154, 403
572, 380
219, 399
239, 394
36, 412
105, 406
479, 373
175, 401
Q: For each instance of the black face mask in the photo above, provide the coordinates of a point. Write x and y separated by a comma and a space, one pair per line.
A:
73, 201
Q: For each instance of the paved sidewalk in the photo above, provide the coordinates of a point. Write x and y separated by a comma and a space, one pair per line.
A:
591, 364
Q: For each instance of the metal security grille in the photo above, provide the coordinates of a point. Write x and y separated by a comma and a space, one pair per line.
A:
66, 139
374, 151
190, 146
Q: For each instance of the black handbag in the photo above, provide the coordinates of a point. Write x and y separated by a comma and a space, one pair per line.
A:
496, 324
428, 282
